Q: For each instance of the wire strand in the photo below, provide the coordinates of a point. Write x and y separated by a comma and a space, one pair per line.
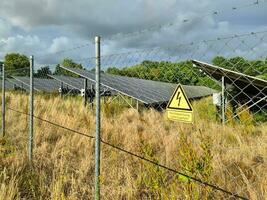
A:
140, 157
65, 50
52, 123
185, 20
184, 44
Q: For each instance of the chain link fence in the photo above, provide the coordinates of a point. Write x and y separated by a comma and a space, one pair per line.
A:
222, 155
235, 67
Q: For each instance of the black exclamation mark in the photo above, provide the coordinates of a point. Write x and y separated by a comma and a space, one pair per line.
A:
178, 98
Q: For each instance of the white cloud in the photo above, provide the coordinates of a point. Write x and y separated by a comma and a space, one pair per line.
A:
59, 44
27, 45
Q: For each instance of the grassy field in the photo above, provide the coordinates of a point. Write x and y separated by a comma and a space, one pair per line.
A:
233, 157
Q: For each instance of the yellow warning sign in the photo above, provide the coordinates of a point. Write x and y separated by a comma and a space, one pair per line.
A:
179, 107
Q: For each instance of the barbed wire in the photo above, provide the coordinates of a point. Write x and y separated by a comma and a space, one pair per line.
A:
168, 47
179, 45
185, 20
138, 156
65, 50
155, 27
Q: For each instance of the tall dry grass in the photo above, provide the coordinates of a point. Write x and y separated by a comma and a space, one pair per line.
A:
233, 157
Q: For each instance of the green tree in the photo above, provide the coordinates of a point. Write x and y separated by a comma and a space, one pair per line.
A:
181, 72
184, 72
263, 76
113, 70
43, 72
67, 63
219, 61
240, 64
17, 64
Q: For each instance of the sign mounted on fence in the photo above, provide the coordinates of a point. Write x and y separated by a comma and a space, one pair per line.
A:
179, 107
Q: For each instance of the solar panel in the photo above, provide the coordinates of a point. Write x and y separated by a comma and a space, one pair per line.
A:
146, 91
76, 83
15, 84
246, 83
40, 84
8, 85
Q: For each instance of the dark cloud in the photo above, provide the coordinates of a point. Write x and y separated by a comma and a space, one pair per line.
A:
48, 26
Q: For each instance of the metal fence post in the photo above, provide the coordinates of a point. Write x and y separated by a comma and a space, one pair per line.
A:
97, 134
3, 101
223, 100
85, 92
92, 90
31, 107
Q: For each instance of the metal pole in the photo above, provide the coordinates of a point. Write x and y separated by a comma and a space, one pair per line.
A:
223, 100
31, 108
137, 105
92, 97
3, 101
250, 106
85, 92
61, 86
97, 134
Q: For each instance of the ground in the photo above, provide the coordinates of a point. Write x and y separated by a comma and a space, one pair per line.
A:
231, 156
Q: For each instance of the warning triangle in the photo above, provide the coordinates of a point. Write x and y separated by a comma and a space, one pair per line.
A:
179, 100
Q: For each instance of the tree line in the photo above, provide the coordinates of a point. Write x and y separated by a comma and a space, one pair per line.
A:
185, 73
176, 72
18, 65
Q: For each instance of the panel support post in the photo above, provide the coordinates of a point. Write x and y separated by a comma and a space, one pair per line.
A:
223, 100
97, 134
3, 101
92, 96
137, 105
85, 92
31, 107
61, 86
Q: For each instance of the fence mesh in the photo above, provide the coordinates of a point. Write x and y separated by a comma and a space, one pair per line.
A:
144, 155
228, 156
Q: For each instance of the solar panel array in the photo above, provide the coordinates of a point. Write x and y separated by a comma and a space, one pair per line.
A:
76, 83
13, 84
146, 91
248, 84
8, 85
40, 84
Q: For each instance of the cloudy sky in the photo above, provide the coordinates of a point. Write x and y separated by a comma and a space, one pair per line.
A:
43, 27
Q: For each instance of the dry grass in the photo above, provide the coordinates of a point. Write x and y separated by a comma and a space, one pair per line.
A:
233, 157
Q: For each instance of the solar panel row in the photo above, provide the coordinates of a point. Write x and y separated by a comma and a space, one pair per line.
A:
76, 83
246, 83
8, 85
146, 91
45, 85
13, 84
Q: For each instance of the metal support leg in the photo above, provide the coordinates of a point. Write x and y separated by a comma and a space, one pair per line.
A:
61, 86
223, 100
92, 97
85, 93
3, 101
